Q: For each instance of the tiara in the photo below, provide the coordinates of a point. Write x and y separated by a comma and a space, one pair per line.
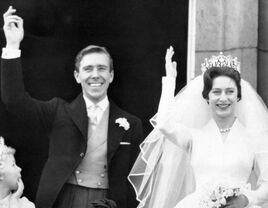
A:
221, 61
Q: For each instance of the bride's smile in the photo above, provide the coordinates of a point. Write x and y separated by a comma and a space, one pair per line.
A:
223, 97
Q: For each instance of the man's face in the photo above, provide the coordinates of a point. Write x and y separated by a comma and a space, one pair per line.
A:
10, 172
95, 76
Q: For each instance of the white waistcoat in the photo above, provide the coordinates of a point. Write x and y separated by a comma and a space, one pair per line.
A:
92, 171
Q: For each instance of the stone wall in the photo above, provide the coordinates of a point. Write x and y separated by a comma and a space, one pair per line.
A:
238, 28
231, 27
262, 84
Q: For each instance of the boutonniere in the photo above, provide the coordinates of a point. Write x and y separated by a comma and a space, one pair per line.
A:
122, 123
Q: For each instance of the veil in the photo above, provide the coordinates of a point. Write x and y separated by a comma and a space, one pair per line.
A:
162, 174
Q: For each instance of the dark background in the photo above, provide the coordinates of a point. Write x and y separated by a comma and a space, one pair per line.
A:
136, 32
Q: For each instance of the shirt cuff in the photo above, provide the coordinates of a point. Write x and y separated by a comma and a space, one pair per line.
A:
10, 53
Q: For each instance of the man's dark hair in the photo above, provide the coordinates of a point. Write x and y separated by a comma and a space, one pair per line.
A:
92, 49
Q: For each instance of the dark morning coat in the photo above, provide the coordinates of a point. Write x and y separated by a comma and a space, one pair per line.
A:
66, 125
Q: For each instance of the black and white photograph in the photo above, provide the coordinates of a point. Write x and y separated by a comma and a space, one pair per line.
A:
134, 104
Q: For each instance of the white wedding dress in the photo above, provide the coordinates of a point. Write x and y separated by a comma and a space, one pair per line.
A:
233, 160
161, 173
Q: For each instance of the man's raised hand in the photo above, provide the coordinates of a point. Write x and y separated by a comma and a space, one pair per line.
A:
13, 29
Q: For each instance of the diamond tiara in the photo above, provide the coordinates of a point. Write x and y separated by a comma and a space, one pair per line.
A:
221, 61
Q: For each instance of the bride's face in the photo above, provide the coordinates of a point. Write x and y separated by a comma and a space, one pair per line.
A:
223, 97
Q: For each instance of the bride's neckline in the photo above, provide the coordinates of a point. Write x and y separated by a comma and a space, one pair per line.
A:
224, 133
227, 129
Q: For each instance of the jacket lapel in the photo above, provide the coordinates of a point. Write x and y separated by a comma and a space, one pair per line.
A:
115, 133
78, 113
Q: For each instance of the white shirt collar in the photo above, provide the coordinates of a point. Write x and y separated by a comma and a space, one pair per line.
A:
103, 104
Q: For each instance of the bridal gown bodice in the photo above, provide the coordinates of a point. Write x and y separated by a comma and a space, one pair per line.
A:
184, 154
215, 159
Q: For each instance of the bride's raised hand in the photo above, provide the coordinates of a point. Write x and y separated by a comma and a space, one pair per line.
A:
171, 66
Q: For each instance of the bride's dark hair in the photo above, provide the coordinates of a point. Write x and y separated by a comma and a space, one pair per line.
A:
214, 72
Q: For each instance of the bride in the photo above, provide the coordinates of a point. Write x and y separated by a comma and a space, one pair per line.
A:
213, 136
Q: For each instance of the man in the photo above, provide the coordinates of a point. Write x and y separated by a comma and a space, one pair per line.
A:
93, 143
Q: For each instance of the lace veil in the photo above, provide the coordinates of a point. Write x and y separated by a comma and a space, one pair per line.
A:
162, 174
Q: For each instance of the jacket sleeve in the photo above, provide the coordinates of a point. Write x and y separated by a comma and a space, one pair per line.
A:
137, 140
18, 102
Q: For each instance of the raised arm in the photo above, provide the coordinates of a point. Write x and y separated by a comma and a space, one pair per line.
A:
11, 80
168, 87
175, 132
18, 102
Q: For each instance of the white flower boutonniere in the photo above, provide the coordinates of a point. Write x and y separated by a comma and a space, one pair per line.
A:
122, 123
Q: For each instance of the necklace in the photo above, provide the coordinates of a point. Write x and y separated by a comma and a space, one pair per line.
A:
225, 130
